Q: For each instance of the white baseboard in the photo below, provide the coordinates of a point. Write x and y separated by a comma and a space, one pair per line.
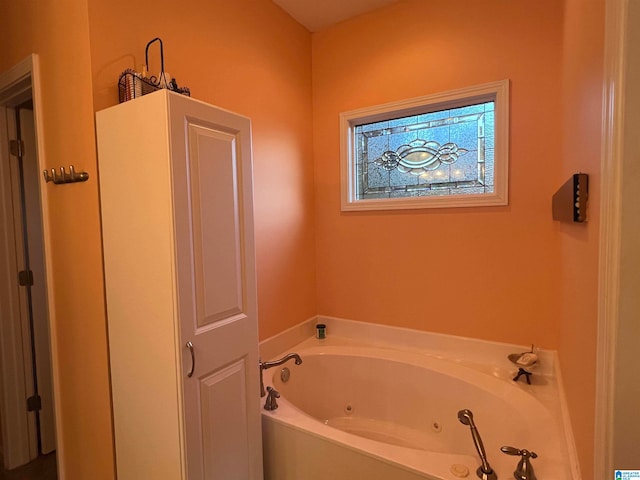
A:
282, 341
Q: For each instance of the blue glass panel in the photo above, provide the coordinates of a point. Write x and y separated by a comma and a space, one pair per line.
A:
375, 126
456, 112
437, 192
442, 175
489, 168
360, 172
406, 193
437, 176
489, 129
398, 122
376, 146
465, 168
376, 195
377, 176
360, 143
468, 190
436, 134
398, 178
428, 117
399, 139
465, 135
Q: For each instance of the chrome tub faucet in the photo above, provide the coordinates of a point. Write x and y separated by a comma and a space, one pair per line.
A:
275, 363
271, 404
524, 470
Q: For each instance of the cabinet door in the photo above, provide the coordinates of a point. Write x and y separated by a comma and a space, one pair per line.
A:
212, 195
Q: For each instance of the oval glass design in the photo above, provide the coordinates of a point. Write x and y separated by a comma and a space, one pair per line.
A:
420, 156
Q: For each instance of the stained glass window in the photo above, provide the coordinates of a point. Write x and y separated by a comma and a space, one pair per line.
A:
439, 153
443, 150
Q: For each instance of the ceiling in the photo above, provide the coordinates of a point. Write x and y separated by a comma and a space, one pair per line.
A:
316, 15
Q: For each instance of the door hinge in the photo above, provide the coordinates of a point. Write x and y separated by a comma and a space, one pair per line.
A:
16, 147
34, 403
25, 278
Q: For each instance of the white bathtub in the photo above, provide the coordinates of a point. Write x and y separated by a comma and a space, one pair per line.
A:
354, 411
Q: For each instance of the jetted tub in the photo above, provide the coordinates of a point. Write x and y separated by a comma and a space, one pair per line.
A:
352, 411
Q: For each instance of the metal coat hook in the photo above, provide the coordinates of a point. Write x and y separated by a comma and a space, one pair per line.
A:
64, 177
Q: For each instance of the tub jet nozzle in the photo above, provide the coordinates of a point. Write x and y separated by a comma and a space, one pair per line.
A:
485, 472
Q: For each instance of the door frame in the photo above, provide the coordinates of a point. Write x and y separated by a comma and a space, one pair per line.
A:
610, 231
18, 84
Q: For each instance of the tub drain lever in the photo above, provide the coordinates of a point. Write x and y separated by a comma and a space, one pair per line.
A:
485, 472
271, 403
524, 470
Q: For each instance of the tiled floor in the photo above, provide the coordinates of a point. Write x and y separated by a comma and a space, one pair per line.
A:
42, 468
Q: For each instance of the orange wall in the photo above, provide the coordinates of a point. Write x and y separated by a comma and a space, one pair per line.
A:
582, 124
250, 57
481, 272
58, 31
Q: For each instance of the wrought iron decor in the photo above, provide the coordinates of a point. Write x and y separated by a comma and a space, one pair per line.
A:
132, 84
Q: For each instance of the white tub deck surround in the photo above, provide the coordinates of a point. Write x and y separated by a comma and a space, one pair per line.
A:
381, 403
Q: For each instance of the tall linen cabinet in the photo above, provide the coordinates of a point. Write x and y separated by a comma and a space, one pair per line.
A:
176, 200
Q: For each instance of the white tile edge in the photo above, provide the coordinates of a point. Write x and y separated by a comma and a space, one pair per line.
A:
485, 352
567, 427
278, 343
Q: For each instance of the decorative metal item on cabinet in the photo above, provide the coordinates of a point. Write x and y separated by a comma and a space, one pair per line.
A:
132, 84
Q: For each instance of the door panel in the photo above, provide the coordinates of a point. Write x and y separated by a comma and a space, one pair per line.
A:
216, 291
216, 220
223, 400
18, 426
39, 309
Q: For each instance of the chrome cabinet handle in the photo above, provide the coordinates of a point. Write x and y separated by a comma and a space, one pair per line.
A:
193, 359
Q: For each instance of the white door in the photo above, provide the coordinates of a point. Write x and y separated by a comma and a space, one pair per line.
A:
18, 425
38, 291
212, 191
36, 381
19, 85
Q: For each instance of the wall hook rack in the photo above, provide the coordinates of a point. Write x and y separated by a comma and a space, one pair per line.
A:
63, 177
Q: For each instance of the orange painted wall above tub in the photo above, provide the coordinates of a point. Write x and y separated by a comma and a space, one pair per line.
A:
480, 272
250, 57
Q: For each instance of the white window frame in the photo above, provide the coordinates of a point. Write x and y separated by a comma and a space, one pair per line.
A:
497, 92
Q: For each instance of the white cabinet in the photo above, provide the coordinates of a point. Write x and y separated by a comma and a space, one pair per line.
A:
176, 199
